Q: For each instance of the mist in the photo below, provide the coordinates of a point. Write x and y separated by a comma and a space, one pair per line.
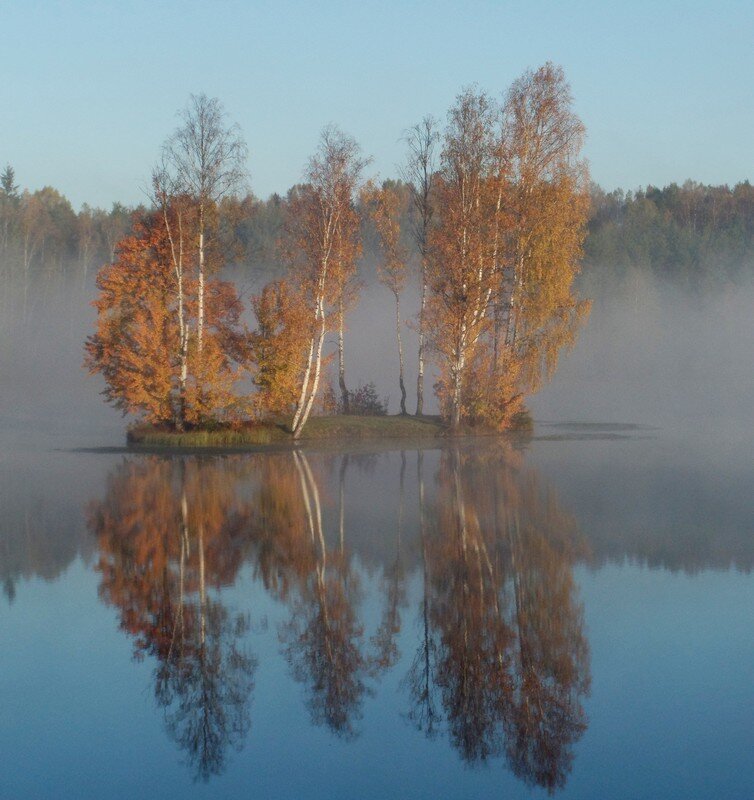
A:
648, 354
654, 355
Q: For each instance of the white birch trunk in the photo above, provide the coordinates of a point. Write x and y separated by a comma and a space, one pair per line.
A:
200, 310
420, 374
400, 352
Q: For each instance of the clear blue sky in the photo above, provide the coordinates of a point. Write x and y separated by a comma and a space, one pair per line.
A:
89, 90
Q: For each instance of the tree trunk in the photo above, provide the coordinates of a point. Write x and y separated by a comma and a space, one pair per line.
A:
308, 393
180, 422
304, 386
315, 381
497, 327
420, 374
183, 330
400, 352
455, 412
516, 283
344, 397
200, 311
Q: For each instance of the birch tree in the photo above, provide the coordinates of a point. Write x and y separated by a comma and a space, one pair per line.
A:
463, 273
511, 208
208, 161
173, 212
347, 250
386, 206
419, 172
317, 215
548, 206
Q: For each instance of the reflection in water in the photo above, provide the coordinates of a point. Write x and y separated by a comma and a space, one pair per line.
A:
500, 662
41, 531
165, 535
506, 648
421, 679
393, 585
324, 638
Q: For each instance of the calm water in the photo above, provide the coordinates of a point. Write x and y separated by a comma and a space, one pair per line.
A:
572, 615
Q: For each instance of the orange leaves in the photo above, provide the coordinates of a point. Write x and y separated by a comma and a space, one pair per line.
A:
463, 273
136, 336
387, 205
499, 229
283, 331
511, 206
143, 314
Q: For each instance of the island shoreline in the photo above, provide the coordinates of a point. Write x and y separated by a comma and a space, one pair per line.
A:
337, 431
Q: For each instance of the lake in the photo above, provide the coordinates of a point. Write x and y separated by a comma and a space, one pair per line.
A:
569, 614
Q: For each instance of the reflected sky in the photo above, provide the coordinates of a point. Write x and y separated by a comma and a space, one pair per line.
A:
513, 619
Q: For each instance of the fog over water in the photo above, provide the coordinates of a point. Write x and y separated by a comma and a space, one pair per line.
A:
658, 389
559, 612
648, 354
657, 356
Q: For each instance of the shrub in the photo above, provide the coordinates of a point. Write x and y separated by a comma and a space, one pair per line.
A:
365, 402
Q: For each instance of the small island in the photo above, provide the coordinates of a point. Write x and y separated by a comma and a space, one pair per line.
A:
256, 435
336, 430
483, 233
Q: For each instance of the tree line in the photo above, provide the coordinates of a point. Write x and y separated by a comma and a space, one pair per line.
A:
45, 244
694, 236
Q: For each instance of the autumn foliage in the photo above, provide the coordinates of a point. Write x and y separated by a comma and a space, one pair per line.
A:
498, 221
512, 205
277, 344
137, 344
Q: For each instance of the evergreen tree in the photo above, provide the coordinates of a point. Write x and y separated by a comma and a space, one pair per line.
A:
8, 182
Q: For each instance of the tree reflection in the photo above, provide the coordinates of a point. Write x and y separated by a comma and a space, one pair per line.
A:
165, 539
314, 574
552, 651
421, 678
501, 662
393, 586
323, 639
503, 635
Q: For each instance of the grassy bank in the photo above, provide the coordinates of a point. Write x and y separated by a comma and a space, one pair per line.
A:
338, 428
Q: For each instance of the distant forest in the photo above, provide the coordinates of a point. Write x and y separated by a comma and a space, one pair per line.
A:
693, 235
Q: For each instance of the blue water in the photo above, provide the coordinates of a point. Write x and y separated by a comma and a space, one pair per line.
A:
588, 612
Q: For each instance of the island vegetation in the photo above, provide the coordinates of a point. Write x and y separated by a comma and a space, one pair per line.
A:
500, 201
489, 220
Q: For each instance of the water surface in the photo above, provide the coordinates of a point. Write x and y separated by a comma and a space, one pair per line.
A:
570, 615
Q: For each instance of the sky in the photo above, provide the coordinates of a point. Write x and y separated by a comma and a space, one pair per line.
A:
89, 91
